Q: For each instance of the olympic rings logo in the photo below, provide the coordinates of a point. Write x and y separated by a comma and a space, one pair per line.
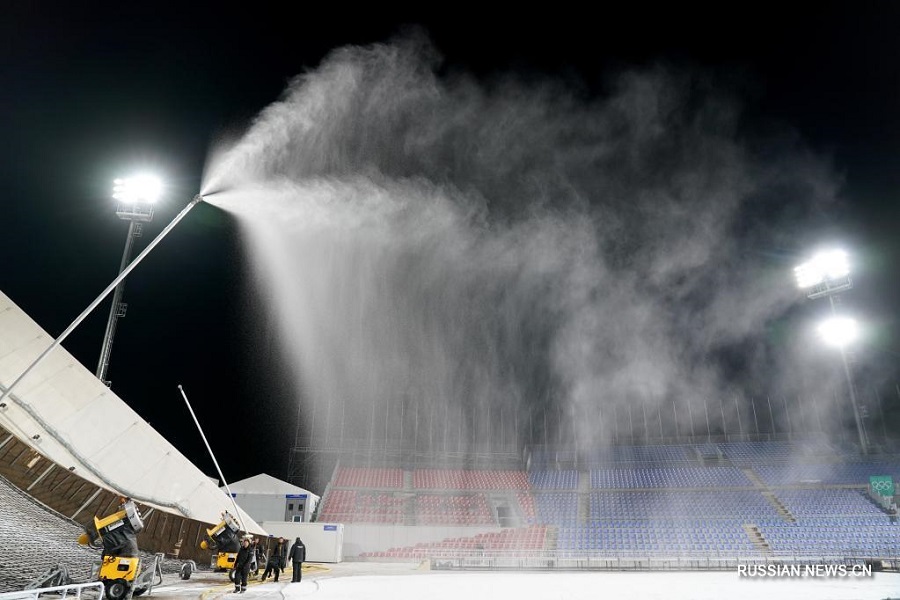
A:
882, 485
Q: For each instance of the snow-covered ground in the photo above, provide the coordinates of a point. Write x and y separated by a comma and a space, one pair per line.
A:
412, 581
584, 586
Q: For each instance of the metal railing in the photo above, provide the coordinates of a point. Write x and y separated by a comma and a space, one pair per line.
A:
76, 591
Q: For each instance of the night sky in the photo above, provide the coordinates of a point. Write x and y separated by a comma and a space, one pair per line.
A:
93, 92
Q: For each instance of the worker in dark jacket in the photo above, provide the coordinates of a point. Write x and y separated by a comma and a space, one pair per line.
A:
242, 566
297, 556
277, 559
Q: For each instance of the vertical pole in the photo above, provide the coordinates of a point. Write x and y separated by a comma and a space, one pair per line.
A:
327, 427
675, 415
600, 421
529, 429
574, 428
787, 414
459, 431
860, 430
387, 420
371, 435
616, 423
403, 401
516, 427
416, 426
724, 425
237, 512
312, 426
644, 412
755, 419
487, 437
771, 415
737, 409
706, 410
544, 412
110, 333
630, 424
343, 419
691, 417
659, 416
503, 432
818, 410
559, 424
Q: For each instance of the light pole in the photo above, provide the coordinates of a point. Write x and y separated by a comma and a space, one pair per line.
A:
826, 275
136, 196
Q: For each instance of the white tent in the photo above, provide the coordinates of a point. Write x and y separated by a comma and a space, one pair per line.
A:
265, 484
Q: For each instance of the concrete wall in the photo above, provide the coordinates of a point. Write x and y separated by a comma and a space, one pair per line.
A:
324, 541
359, 538
350, 540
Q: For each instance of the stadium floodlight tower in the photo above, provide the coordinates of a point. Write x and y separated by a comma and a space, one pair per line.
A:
7, 393
136, 197
826, 275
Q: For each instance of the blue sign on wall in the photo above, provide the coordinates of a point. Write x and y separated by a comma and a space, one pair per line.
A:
295, 495
330, 527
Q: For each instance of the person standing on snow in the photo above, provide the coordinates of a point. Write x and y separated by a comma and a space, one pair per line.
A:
297, 556
277, 559
242, 567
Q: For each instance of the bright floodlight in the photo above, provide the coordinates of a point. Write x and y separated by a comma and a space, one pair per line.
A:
141, 188
823, 267
839, 331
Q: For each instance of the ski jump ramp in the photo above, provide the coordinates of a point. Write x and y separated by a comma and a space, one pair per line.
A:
73, 426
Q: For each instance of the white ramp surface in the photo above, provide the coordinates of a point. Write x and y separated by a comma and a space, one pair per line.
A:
65, 413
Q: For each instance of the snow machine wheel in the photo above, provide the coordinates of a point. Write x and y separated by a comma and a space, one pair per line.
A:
116, 589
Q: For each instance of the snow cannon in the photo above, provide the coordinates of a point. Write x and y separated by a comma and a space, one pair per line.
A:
120, 562
224, 540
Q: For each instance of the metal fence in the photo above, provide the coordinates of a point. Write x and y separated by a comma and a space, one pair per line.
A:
75, 591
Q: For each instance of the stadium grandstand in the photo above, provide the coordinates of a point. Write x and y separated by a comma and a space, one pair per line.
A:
662, 482
706, 505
